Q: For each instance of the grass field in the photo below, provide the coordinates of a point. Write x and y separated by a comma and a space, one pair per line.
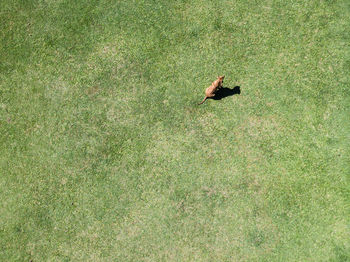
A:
106, 156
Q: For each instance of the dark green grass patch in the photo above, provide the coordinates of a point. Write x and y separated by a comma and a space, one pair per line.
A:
106, 156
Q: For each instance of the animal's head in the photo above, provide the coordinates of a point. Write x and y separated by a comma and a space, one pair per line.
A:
221, 78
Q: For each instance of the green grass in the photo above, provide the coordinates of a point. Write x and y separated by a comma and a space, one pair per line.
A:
106, 156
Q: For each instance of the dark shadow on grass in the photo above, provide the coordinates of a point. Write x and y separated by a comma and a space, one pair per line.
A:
225, 92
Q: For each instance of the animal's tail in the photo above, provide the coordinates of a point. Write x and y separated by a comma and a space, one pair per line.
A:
205, 98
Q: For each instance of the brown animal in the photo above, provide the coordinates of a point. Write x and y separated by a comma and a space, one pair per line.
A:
210, 91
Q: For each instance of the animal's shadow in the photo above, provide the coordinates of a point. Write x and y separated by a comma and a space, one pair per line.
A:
225, 92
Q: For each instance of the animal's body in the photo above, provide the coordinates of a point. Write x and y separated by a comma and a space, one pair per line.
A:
211, 90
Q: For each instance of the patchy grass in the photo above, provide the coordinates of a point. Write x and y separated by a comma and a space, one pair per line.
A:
105, 154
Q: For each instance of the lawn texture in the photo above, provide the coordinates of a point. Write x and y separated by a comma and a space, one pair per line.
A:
106, 156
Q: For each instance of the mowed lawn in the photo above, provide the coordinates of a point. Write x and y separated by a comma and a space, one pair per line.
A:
106, 156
